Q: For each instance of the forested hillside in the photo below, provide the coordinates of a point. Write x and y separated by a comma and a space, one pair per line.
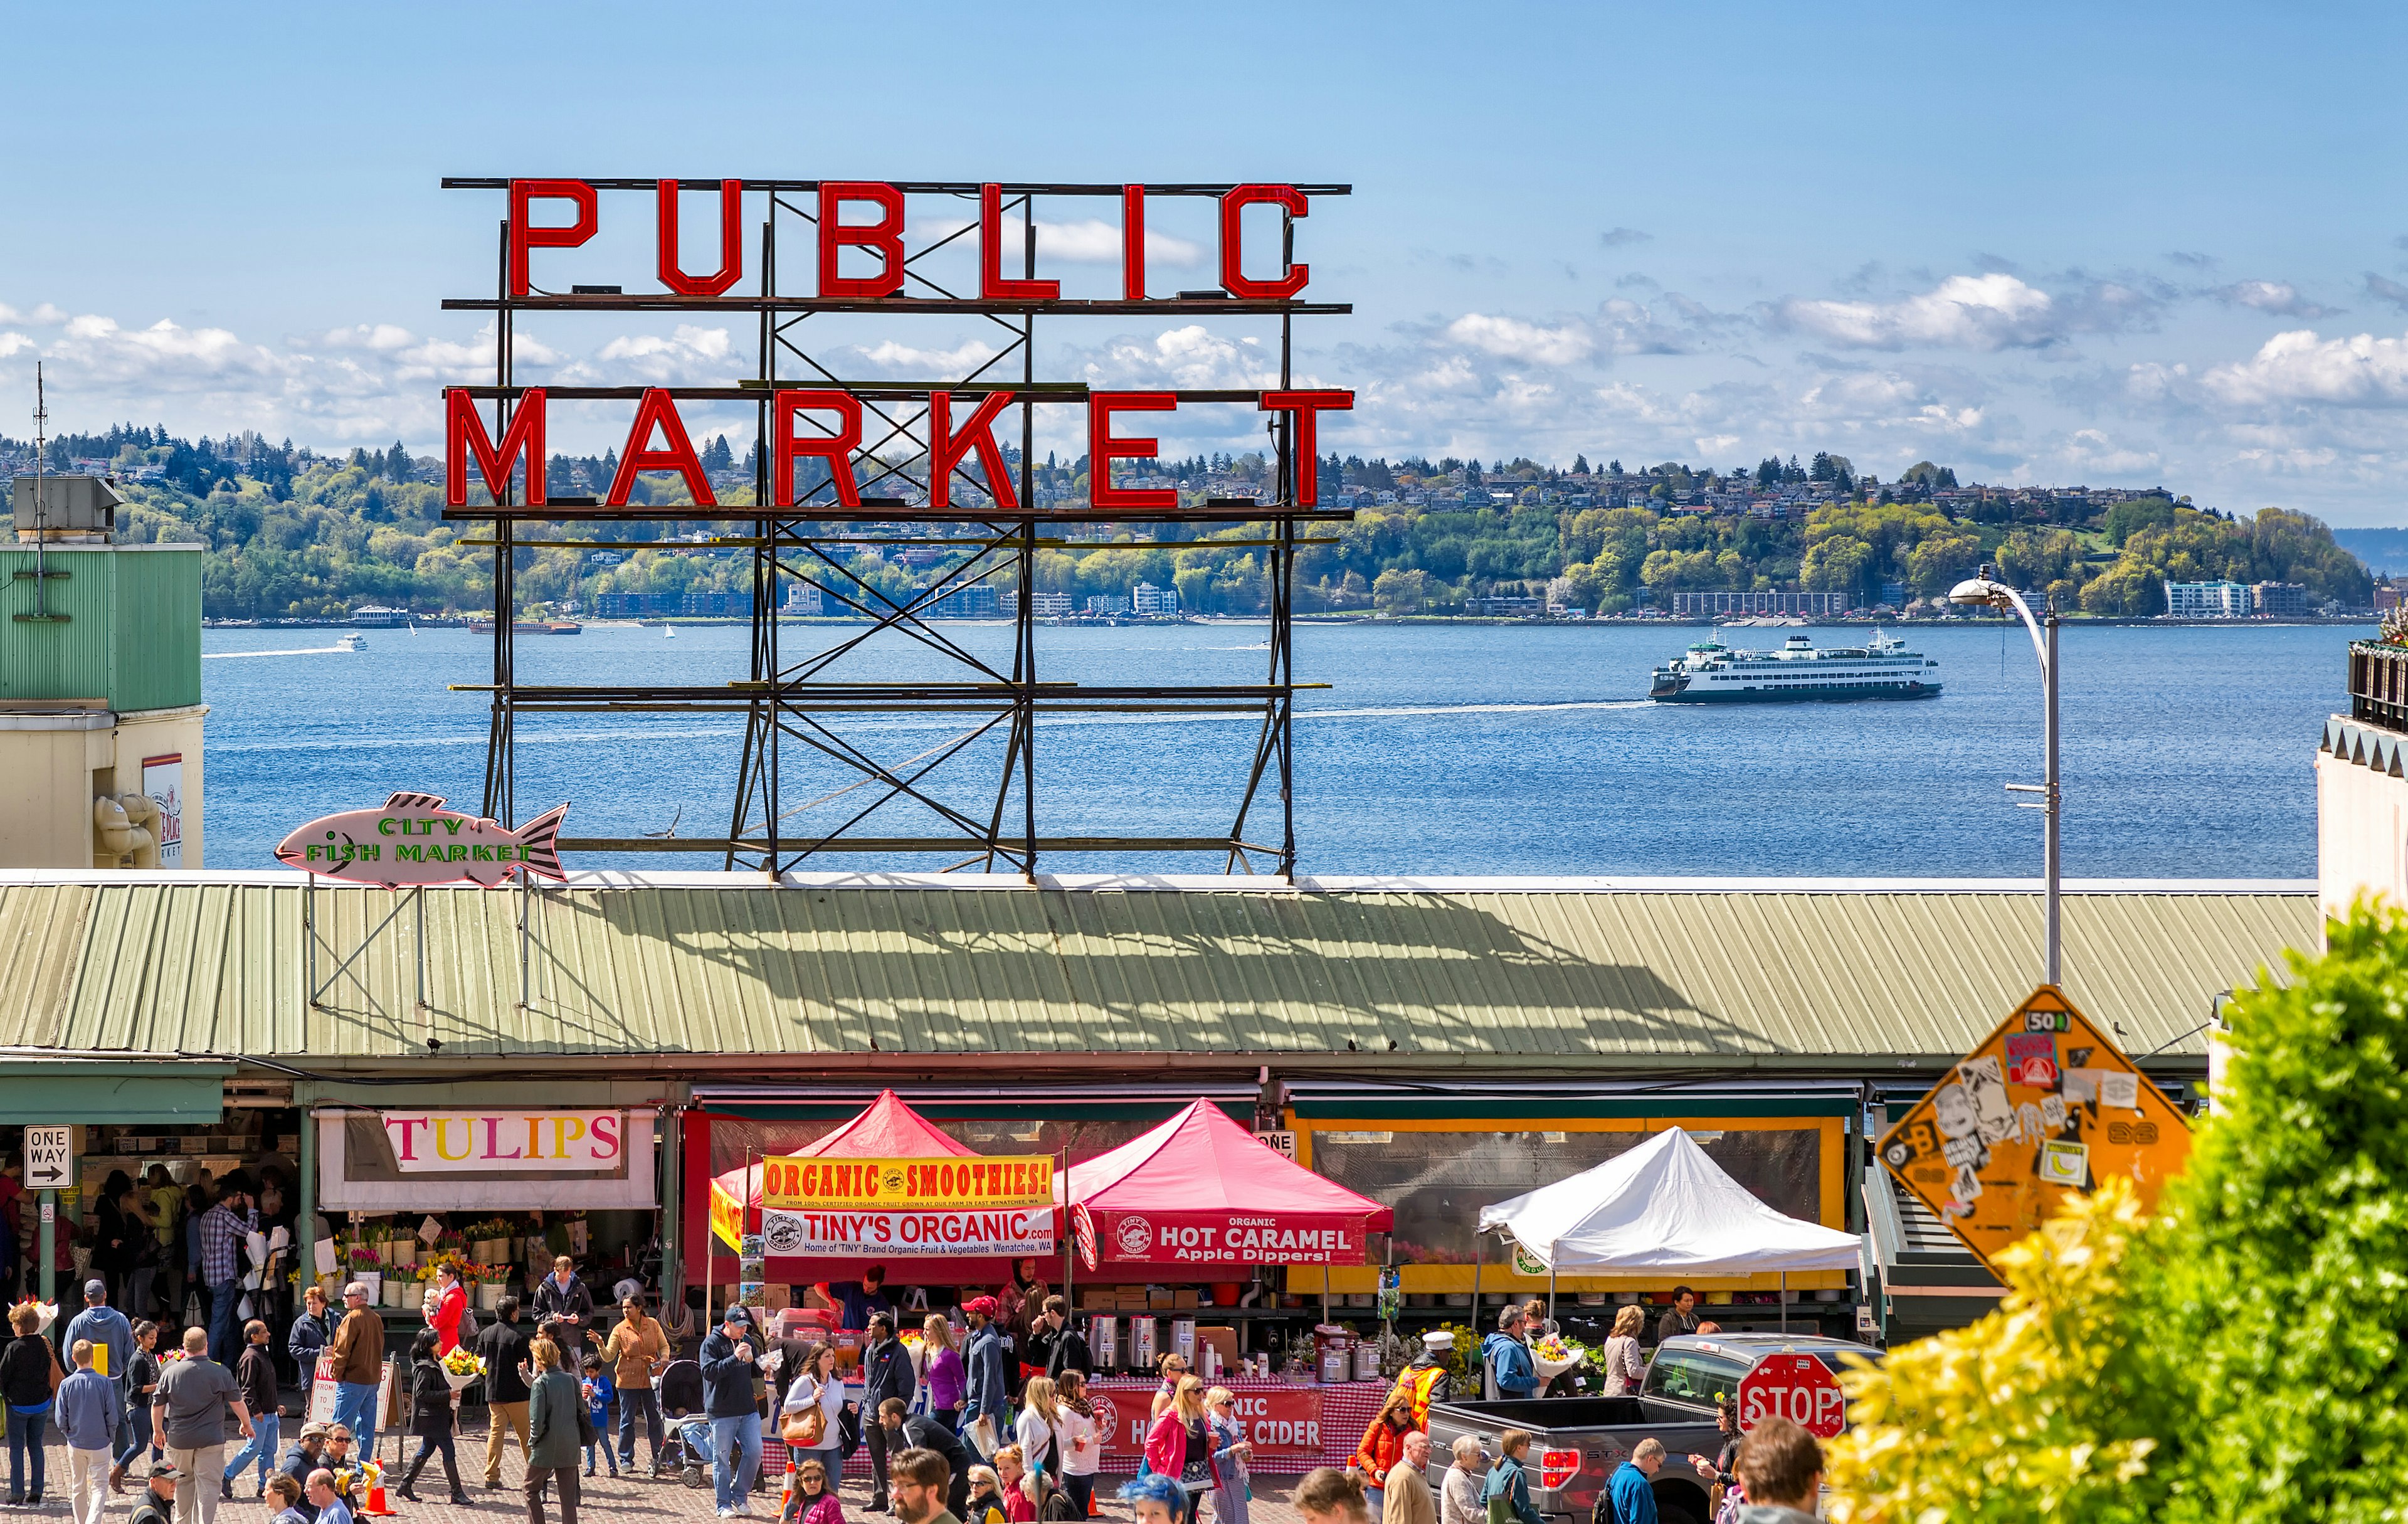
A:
293, 535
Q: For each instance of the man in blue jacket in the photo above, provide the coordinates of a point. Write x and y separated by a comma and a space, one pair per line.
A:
1632, 1488
728, 1360
885, 1376
986, 1393
1509, 1365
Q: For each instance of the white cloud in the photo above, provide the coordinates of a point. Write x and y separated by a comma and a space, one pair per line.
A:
1988, 311
902, 360
1190, 357
1090, 242
2299, 367
2278, 296
43, 315
1511, 339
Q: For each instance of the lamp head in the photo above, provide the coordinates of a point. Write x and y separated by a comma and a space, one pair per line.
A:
1983, 587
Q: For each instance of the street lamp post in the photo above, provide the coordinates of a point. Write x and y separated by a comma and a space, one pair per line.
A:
1986, 589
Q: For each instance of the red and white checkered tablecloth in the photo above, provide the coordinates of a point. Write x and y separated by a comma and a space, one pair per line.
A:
1295, 1426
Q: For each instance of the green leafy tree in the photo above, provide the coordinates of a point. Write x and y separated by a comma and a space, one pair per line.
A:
2284, 1304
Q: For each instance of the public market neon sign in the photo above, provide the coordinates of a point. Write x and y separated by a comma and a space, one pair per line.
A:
657, 439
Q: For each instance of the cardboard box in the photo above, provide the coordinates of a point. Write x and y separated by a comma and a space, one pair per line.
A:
1158, 1298
1184, 1300
1099, 1299
1222, 1338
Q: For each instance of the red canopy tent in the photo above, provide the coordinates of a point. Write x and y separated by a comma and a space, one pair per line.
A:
1201, 1198
888, 1129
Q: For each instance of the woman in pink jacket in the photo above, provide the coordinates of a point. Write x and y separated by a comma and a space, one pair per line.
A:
1180, 1444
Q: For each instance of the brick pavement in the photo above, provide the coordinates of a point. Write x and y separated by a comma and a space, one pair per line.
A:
623, 1499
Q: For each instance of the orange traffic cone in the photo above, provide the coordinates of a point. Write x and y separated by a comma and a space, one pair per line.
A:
376, 1506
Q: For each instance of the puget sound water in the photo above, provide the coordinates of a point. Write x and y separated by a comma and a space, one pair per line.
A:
1434, 749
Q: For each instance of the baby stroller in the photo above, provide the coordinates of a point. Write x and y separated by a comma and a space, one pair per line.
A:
687, 1449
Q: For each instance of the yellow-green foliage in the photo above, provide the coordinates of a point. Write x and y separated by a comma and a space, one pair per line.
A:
2020, 1416
2239, 1360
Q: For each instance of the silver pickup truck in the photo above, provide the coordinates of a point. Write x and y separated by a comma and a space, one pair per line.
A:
1576, 1443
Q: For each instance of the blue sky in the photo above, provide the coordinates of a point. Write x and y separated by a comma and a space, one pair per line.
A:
2033, 241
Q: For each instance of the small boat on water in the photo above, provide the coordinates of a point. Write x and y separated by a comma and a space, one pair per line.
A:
668, 631
1711, 673
350, 642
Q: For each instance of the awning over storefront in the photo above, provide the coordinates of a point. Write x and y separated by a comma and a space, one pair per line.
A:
133, 1093
1201, 1194
1664, 1206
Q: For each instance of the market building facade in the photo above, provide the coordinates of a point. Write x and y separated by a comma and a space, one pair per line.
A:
1433, 1046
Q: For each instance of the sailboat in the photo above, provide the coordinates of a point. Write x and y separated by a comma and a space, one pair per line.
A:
670, 630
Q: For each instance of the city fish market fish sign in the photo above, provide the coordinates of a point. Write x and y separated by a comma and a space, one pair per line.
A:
981, 1205
414, 842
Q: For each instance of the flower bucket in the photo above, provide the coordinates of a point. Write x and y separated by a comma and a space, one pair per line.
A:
489, 1296
374, 1281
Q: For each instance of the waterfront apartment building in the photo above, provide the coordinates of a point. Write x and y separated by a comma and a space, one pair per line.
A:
1146, 598
1759, 603
2278, 600
2209, 600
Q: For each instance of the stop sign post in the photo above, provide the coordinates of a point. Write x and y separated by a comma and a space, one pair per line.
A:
1799, 1387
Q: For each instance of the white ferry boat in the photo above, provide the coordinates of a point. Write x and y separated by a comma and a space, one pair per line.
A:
1712, 672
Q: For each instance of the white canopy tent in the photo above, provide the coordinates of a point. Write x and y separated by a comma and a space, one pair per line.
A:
1664, 1206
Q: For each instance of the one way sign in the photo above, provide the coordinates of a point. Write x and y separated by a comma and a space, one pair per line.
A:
47, 1158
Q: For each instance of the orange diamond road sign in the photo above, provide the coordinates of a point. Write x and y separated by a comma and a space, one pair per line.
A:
2046, 1105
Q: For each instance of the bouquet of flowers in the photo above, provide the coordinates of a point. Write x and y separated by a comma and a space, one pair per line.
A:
48, 1312
428, 1266
1555, 1353
461, 1367
364, 1257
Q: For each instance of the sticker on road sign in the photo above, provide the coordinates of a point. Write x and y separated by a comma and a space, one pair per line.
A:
2064, 1164
47, 1152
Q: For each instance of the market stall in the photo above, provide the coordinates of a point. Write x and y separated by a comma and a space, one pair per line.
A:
497, 1193
1664, 1207
1182, 1219
886, 1189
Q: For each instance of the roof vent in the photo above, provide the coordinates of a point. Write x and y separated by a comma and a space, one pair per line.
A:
65, 510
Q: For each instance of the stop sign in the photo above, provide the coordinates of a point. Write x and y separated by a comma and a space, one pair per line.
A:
1799, 1387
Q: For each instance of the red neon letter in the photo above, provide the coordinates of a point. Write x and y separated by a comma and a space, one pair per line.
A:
1133, 242
463, 433
947, 448
658, 410
836, 449
885, 236
1233, 242
1102, 450
1306, 406
523, 237
992, 287
731, 243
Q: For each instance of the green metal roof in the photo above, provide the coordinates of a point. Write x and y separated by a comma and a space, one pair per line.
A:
738, 977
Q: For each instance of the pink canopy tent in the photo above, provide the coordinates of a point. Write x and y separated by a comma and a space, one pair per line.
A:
1201, 1198
888, 1129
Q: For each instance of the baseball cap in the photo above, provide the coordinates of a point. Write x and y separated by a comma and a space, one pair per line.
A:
96, 1288
165, 1470
315, 1430
735, 1314
984, 1306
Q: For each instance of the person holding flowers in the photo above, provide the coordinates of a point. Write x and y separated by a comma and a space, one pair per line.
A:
432, 1399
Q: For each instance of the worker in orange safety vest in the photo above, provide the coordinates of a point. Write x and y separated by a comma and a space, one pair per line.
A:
1426, 1380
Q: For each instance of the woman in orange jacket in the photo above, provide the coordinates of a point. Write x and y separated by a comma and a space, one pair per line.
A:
1382, 1446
